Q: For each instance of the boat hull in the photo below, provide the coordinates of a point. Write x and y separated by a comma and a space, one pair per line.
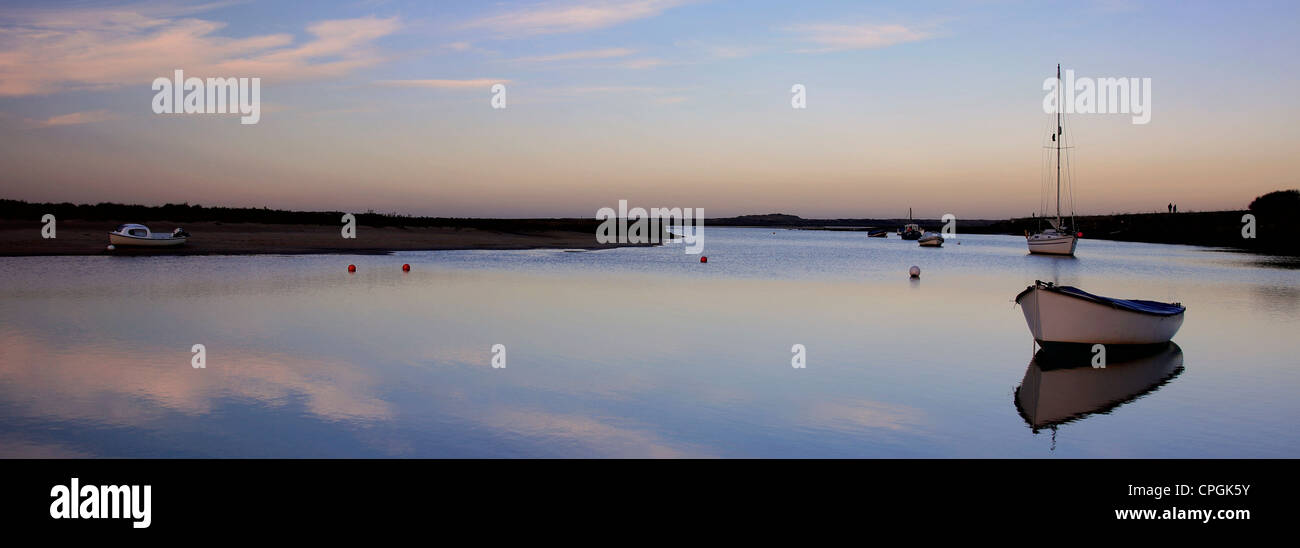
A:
930, 242
1054, 317
132, 241
1057, 391
1061, 245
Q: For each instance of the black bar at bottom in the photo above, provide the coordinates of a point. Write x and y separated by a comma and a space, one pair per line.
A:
325, 497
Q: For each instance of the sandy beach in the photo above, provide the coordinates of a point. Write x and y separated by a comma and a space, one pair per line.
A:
76, 237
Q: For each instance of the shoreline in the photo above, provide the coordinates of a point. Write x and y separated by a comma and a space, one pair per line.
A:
1213, 229
90, 238
79, 237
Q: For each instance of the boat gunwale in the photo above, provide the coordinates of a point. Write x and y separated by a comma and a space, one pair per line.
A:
1058, 290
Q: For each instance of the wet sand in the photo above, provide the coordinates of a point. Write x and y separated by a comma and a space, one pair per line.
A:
74, 237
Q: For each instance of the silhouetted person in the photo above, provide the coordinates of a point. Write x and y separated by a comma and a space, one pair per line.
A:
1170, 207
1175, 208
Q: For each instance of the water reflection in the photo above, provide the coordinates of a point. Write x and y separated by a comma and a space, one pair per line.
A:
629, 353
1061, 386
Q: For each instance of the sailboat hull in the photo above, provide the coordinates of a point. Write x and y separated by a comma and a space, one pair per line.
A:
1059, 245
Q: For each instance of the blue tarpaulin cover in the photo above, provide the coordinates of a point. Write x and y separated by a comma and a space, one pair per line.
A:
1145, 307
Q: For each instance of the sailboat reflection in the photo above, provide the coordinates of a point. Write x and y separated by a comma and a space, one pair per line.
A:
1062, 386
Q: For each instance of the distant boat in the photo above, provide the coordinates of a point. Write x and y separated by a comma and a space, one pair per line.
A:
910, 231
1065, 314
878, 233
140, 236
1059, 239
1059, 387
931, 239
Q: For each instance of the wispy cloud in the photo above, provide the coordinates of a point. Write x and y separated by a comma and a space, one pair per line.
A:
443, 84
643, 63
718, 51
830, 37
606, 53
73, 119
659, 95
47, 51
563, 17
652, 90
612, 89
732, 52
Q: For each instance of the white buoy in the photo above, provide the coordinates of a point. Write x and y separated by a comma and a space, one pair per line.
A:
915, 271
111, 247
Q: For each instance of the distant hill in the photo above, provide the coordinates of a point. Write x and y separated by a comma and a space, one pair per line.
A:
1273, 213
17, 210
783, 220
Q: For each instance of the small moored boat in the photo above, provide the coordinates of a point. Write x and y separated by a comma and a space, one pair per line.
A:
1065, 314
931, 239
140, 236
878, 233
1052, 242
911, 230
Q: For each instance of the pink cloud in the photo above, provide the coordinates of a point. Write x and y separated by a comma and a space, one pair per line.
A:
577, 55
45, 52
841, 37
75, 118
557, 17
443, 84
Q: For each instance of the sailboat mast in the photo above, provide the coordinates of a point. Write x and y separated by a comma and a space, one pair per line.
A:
1059, 133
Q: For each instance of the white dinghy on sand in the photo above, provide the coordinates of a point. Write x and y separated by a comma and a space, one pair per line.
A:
135, 235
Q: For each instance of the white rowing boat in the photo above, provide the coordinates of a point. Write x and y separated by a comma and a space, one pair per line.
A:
1064, 314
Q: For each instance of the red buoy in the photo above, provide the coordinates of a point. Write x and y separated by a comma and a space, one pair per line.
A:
406, 268
352, 268
704, 259
1080, 233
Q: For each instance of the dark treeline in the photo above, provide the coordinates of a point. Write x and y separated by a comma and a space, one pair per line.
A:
782, 220
1272, 212
18, 210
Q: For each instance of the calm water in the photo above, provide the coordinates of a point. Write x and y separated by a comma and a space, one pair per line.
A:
638, 352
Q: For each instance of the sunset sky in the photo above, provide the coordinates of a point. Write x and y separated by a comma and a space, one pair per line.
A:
385, 105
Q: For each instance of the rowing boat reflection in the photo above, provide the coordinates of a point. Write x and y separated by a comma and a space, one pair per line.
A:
1062, 386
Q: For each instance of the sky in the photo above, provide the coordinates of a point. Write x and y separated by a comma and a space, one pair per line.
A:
387, 105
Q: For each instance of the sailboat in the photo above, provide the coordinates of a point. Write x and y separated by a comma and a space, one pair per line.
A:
911, 230
1057, 240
